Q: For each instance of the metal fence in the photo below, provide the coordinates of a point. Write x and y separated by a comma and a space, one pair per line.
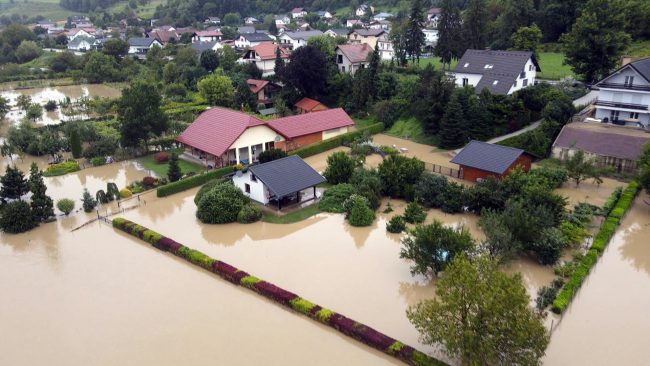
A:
443, 170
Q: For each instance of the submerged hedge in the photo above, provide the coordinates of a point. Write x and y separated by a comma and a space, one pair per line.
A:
337, 141
617, 211
347, 326
191, 182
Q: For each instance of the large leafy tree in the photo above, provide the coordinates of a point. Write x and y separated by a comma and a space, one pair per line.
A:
517, 14
415, 39
100, 68
450, 37
399, 39
557, 16
340, 167
527, 39
307, 71
217, 89
481, 316
430, 98
597, 40
116, 47
474, 24
209, 60
13, 183
41, 204
140, 115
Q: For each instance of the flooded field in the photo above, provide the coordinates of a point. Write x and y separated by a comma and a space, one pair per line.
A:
590, 192
608, 321
58, 94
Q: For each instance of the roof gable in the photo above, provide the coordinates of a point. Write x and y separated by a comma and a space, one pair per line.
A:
489, 157
641, 67
500, 69
287, 175
307, 104
355, 52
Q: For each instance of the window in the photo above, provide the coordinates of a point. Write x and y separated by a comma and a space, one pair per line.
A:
247, 187
613, 115
629, 80
343, 68
495, 82
530, 67
488, 66
515, 85
466, 65
634, 115
465, 81
525, 83
253, 178
339, 59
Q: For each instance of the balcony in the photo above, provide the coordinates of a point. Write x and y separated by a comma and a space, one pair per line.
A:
639, 107
625, 86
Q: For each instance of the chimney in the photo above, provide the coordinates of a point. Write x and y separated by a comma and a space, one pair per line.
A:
626, 60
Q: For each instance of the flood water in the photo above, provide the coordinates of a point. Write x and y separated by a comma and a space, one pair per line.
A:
608, 321
58, 94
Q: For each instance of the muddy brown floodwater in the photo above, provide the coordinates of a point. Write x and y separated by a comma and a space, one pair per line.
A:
608, 321
58, 94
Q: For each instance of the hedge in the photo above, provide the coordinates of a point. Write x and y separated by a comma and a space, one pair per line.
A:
337, 141
191, 182
347, 326
61, 168
601, 240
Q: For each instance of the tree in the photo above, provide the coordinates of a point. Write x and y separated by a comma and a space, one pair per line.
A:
170, 73
279, 62
16, 217
41, 204
414, 36
399, 174
185, 56
431, 247
87, 201
450, 40
13, 183
399, 39
227, 58
100, 68
516, 14
221, 204
273, 28
209, 60
217, 89
527, 39
174, 170
270, 155
597, 40
359, 212
340, 167
116, 47
139, 114
474, 24
23, 102
75, 143
580, 168
231, 19
27, 51
452, 129
499, 243
34, 112
482, 316
307, 71
4, 107
432, 93
414, 213
644, 166
65, 205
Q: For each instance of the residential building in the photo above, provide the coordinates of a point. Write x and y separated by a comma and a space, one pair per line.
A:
245, 29
250, 20
82, 43
382, 16
352, 23
199, 47
213, 21
263, 56
430, 36
379, 24
624, 96
223, 137
367, 36
282, 20
480, 160
324, 14
139, 46
164, 35
206, 36
248, 40
433, 17
352, 57
298, 13
55, 31
341, 32
279, 182
609, 145
264, 91
501, 72
364, 9
298, 39
308, 105
79, 32
385, 47
45, 24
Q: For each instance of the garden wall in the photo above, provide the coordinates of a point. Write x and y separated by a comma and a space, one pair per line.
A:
347, 326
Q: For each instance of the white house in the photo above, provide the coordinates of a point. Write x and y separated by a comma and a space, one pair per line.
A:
352, 57
282, 20
250, 20
501, 72
298, 39
430, 36
199, 47
379, 24
385, 47
337, 32
206, 36
139, 46
77, 32
382, 16
364, 9
82, 44
433, 17
350, 23
247, 40
263, 56
624, 96
213, 21
298, 13
324, 14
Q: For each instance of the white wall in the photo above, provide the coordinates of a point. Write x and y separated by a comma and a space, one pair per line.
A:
349, 67
530, 75
334, 132
472, 79
258, 191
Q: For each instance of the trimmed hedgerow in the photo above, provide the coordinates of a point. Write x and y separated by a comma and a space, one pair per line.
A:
191, 182
337, 141
345, 325
611, 201
601, 240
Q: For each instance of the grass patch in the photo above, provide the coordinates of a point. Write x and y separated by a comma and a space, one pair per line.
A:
435, 61
553, 67
160, 170
364, 122
295, 216
49, 9
143, 11
639, 49
411, 129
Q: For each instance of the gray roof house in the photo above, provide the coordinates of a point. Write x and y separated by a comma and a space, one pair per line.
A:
479, 160
500, 72
278, 181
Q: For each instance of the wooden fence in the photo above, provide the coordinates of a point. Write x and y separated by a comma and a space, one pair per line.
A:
443, 170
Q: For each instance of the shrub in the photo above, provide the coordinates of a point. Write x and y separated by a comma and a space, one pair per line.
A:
335, 196
16, 217
611, 201
88, 202
361, 214
161, 157
98, 161
61, 168
399, 174
368, 184
148, 181
575, 234
189, 183
101, 196
249, 213
50, 105
414, 214
340, 167
396, 224
553, 177
351, 201
125, 193
65, 205
102, 147
270, 155
429, 190
205, 188
221, 204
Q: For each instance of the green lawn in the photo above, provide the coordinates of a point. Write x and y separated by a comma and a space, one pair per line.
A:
411, 129
145, 11
639, 49
49, 9
553, 68
160, 170
435, 61
295, 216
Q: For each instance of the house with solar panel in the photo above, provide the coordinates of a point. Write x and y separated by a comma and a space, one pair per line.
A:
480, 160
500, 72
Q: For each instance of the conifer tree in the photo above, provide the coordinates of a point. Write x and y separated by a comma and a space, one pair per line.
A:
450, 38
279, 63
75, 143
474, 24
174, 170
41, 204
13, 183
452, 134
414, 36
87, 201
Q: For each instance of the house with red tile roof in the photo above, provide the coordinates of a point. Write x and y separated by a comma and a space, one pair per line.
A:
263, 56
206, 36
308, 105
264, 90
352, 57
222, 137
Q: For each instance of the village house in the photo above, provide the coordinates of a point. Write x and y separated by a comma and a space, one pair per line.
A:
222, 137
324, 14
45, 24
352, 23
433, 17
379, 24
212, 21
385, 47
609, 145
340, 32
624, 96
367, 36
364, 9
280, 182
82, 44
263, 56
248, 40
80, 32
308, 105
382, 16
55, 31
480, 160
264, 91
251, 21
298, 13
282, 20
199, 47
138, 46
206, 36
246, 29
298, 39
501, 72
164, 35
352, 57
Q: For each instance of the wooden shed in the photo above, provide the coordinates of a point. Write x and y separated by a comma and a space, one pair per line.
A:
480, 160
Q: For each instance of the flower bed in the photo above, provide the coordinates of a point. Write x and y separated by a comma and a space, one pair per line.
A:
191, 182
347, 326
61, 168
601, 240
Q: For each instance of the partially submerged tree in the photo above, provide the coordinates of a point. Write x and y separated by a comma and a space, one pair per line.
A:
41, 204
580, 168
13, 183
174, 170
140, 115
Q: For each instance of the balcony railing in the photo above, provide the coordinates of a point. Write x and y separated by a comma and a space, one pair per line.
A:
639, 107
625, 86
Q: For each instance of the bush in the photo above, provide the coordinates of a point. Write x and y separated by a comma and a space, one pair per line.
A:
270, 155
249, 213
102, 147
611, 201
189, 183
351, 201
336, 141
340, 167
16, 217
50, 105
399, 174
61, 168
88, 202
65, 205
161, 157
125, 193
396, 224
414, 214
368, 184
148, 181
335, 196
98, 161
221, 204
360, 214
429, 190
